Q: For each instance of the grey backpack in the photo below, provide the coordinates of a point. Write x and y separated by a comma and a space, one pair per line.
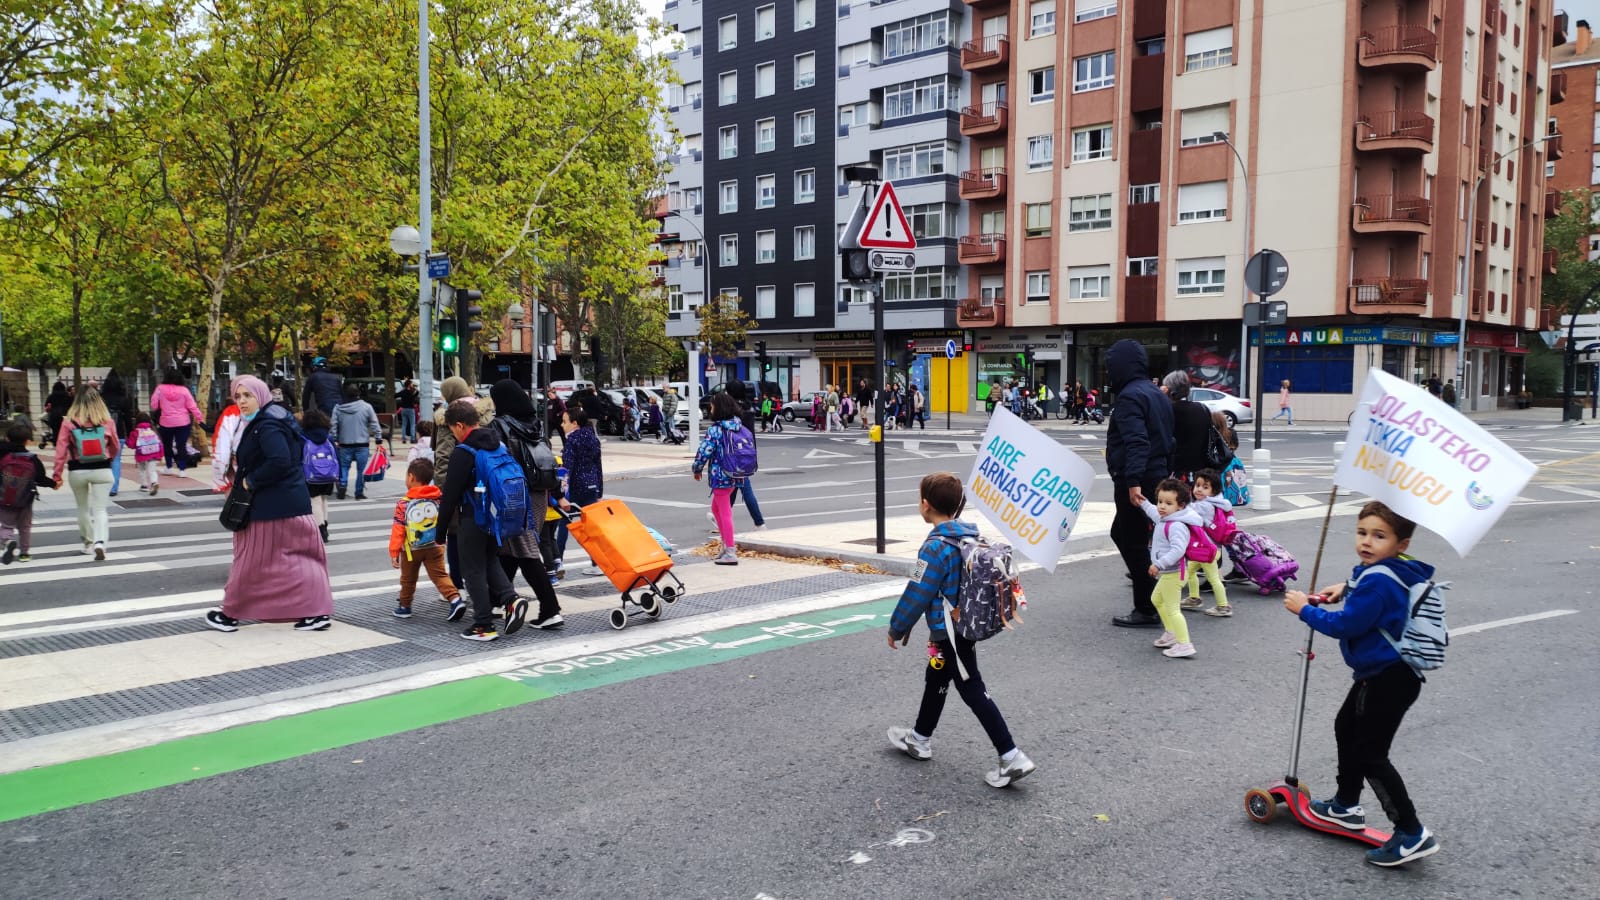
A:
986, 598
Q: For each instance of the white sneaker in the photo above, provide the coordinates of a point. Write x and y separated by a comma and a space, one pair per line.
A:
904, 740
1167, 639
729, 557
1179, 651
592, 570
1009, 773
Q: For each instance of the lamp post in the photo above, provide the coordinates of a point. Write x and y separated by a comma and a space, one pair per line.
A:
1244, 327
1466, 278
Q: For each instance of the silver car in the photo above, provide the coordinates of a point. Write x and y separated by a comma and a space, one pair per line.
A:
1235, 409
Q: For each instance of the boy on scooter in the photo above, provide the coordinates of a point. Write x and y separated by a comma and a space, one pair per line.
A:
1376, 600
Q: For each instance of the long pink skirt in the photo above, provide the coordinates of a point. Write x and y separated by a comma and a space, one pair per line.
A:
280, 572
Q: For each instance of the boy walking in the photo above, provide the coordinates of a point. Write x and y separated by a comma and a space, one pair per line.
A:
414, 544
21, 476
937, 582
486, 581
1376, 606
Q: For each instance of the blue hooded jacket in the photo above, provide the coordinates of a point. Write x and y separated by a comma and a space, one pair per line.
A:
1375, 603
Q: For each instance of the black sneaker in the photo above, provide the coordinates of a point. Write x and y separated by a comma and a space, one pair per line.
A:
220, 621
553, 620
480, 633
458, 608
10, 554
314, 623
323, 530
1351, 817
1235, 576
515, 616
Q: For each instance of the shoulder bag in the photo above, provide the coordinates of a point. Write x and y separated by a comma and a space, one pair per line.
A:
236, 509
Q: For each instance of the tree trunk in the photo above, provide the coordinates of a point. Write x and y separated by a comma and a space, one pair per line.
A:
77, 333
208, 359
389, 393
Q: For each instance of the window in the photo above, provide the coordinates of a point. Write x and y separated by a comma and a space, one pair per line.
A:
805, 14
1208, 49
855, 115
1088, 282
1041, 18
1089, 213
1037, 219
694, 93
693, 299
805, 186
1038, 287
1144, 193
766, 135
1095, 71
917, 160
1204, 275
912, 98
766, 246
766, 301
1041, 151
1042, 84
766, 191
728, 88
730, 250
919, 35
805, 128
805, 301
927, 220
730, 197
1313, 369
928, 283
805, 242
728, 33
1204, 201
857, 55
727, 142
766, 79
1143, 265
675, 299
766, 22
992, 222
1549, 170
1091, 143
691, 41
1151, 46
1086, 10
992, 290
692, 198
1201, 125
805, 70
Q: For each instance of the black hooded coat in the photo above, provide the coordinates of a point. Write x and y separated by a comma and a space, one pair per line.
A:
1139, 442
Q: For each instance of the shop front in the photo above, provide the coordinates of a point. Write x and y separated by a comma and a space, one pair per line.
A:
1326, 365
1028, 357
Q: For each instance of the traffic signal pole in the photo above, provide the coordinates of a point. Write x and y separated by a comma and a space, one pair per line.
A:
424, 217
881, 350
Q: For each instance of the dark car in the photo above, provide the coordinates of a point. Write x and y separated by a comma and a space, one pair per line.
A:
603, 411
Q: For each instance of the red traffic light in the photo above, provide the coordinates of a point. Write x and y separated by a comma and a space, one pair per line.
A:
967, 347
911, 345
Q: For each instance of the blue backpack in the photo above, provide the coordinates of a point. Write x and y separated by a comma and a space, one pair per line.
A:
738, 451
501, 504
321, 462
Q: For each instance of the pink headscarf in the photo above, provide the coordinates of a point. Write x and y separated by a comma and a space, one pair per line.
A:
254, 385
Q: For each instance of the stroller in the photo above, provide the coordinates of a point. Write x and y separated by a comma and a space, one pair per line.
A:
1091, 410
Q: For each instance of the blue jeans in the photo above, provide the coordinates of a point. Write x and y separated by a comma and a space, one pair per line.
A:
408, 423
359, 456
580, 496
747, 489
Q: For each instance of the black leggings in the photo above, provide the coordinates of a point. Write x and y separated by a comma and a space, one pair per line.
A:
972, 691
534, 573
1365, 728
1130, 532
175, 445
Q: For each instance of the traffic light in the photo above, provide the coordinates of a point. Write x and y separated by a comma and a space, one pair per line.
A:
909, 357
445, 338
761, 355
856, 267
469, 314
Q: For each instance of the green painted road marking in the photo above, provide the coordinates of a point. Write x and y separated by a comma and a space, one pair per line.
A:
62, 786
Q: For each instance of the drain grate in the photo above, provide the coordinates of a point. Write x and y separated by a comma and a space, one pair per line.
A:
872, 542
146, 503
198, 492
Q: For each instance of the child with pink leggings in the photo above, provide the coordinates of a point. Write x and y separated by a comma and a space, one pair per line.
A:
725, 417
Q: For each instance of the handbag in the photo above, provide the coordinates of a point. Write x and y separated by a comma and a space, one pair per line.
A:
377, 466
235, 513
1218, 453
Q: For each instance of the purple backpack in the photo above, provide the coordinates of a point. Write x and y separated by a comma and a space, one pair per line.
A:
738, 451
321, 462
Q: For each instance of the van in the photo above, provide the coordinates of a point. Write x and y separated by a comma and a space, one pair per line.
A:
564, 389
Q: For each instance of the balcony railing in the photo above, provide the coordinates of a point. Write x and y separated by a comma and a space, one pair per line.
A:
1477, 303
1399, 45
986, 118
1558, 87
979, 311
1393, 212
1140, 298
982, 184
1552, 147
1486, 87
1395, 129
1552, 203
1480, 232
987, 52
1551, 258
979, 249
1383, 290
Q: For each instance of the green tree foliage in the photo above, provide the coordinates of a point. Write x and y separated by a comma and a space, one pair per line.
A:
724, 324
1568, 234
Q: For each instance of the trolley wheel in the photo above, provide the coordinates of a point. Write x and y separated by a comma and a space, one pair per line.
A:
650, 604
619, 619
1259, 805
669, 593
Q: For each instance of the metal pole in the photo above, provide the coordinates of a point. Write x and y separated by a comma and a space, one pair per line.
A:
948, 400
424, 215
1244, 329
877, 404
1261, 370
1466, 291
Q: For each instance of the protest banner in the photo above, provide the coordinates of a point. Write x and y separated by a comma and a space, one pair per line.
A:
1428, 462
1030, 487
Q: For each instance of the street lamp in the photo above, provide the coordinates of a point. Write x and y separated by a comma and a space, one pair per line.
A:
1466, 279
1244, 327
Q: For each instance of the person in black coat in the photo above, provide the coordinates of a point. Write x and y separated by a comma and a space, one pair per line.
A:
487, 584
324, 390
1138, 456
115, 394
55, 412
516, 423
1191, 427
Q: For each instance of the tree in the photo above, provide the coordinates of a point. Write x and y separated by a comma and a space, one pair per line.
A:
724, 324
1575, 287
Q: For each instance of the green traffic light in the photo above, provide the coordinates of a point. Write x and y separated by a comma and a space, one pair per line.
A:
447, 343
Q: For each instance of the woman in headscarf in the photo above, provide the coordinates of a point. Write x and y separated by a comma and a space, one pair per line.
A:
516, 424
451, 390
280, 569
87, 446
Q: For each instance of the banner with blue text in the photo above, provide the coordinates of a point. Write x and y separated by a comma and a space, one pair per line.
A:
1030, 487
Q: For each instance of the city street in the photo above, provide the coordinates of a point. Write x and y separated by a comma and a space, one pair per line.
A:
735, 748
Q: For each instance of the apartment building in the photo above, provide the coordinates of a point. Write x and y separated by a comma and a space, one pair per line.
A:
1094, 186
1574, 64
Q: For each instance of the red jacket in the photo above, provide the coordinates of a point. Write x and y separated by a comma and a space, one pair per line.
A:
397, 531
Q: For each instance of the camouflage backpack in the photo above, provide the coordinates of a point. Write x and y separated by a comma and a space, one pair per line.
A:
986, 600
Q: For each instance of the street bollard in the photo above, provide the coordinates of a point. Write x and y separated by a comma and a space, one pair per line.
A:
1261, 480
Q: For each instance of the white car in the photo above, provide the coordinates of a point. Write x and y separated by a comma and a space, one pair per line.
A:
1235, 409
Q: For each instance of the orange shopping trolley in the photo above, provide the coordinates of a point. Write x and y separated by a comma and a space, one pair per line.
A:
624, 550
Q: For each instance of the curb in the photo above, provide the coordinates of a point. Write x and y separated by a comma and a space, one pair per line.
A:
894, 565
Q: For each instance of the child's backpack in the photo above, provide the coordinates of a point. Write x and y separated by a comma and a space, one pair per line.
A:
986, 598
1423, 639
321, 462
16, 480
500, 507
1236, 483
1222, 527
422, 524
1199, 550
738, 456
146, 444
89, 443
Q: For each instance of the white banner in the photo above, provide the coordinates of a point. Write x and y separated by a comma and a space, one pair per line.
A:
1030, 487
1428, 462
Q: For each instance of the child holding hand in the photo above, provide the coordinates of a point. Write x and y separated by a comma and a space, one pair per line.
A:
1216, 516
1168, 544
414, 541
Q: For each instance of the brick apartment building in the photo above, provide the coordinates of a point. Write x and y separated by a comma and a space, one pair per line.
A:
1075, 170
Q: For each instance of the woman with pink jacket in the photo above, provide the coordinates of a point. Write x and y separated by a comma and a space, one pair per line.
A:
176, 413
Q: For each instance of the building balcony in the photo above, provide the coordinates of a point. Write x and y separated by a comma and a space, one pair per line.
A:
1382, 294
979, 4
1491, 13
979, 311
1139, 293
1486, 87
982, 184
1382, 213
981, 249
1551, 258
1480, 232
1399, 45
1395, 129
1552, 203
1552, 147
1558, 87
1477, 303
990, 51
986, 118
1485, 158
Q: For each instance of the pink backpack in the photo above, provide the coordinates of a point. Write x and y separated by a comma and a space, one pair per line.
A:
1200, 549
1222, 527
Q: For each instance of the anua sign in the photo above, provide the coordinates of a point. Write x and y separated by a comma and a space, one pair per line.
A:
1029, 487
1428, 462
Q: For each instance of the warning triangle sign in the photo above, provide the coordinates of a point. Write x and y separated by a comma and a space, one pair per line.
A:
886, 227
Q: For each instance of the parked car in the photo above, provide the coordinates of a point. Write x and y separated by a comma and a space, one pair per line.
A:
604, 411
800, 409
564, 389
1235, 409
